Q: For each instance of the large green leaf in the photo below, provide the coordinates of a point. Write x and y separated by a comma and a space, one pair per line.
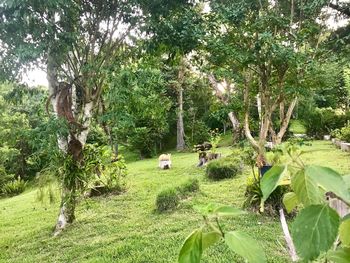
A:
271, 180
191, 251
209, 239
290, 201
226, 210
344, 231
341, 255
329, 180
315, 230
219, 209
245, 246
346, 179
306, 189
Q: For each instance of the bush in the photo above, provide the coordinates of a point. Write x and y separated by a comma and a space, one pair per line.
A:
345, 133
14, 187
169, 199
191, 185
105, 173
321, 121
224, 168
4, 177
253, 197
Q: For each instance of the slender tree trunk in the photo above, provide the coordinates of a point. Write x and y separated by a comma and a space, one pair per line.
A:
180, 143
67, 209
235, 125
286, 120
64, 106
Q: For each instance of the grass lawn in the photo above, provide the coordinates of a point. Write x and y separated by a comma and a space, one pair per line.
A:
125, 228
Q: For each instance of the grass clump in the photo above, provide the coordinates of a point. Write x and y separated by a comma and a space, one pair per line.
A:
224, 168
14, 187
190, 186
169, 198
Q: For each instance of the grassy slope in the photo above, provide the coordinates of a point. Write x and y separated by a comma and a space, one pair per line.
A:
125, 228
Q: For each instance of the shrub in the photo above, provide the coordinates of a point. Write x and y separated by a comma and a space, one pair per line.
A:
4, 177
321, 121
253, 197
14, 187
167, 199
191, 185
224, 168
105, 173
345, 133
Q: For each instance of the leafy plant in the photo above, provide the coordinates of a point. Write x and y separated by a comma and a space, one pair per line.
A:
14, 187
345, 133
214, 140
212, 232
224, 168
317, 226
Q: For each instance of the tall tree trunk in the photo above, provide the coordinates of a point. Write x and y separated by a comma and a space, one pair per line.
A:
67, 208
286, 120
180, 143
231, 115
235, 125
64, 106
257, 145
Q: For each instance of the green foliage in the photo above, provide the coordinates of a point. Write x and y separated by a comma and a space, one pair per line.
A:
316, 227
297, 127
245, 246
137, 107
21, 129
169, 198
223, 168
344, 133
4, 177
214, 140
14, 187
103, 171
314, 230
321, 121
212, 232
254, 196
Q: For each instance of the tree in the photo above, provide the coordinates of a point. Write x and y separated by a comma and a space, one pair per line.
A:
176, 34
137, 107
267, 48
76, 41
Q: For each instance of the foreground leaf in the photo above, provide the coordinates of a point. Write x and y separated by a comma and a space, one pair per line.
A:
191, 251
219, 209
226, 210
290, 201
329, 180
306, 189
245, 246
315, 230
271, 180
341, 255
209, 239
344, 231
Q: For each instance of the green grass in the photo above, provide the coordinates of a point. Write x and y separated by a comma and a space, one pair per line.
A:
126, 228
